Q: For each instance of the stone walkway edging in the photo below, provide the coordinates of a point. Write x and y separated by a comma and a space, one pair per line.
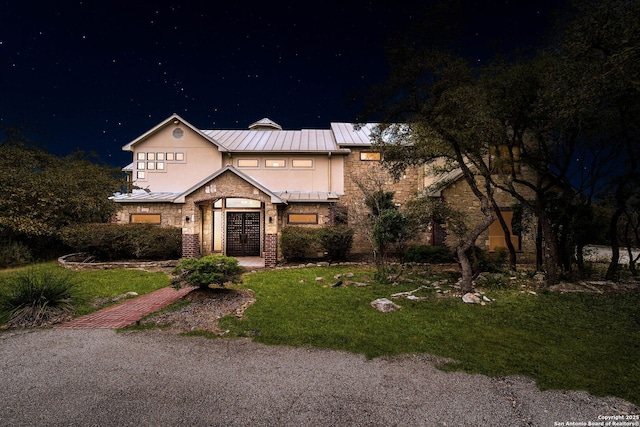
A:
64, 261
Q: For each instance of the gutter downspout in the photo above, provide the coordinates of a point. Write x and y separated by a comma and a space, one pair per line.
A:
201, 231
329, 186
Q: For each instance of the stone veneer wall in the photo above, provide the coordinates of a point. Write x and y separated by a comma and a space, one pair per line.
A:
321, 209
171, 214
375, 177
459, 195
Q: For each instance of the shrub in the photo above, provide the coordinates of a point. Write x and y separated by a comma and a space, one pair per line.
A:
36, 299
428, 254
124, 241
208, 270
389, 228
298, 243
336, 241
14, 254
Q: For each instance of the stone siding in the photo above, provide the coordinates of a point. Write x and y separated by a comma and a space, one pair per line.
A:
321, 209
372, 176
459, 196
170, 213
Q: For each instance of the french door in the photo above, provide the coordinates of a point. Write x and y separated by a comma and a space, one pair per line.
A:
243, 234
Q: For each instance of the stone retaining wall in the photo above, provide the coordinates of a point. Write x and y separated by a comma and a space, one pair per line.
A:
79, 262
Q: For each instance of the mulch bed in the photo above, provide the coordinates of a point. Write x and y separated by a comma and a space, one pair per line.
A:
205, 308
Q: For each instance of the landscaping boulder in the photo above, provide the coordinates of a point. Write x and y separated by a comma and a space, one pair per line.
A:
384, 305
471, 298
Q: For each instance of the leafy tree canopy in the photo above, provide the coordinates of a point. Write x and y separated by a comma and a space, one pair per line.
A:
41, 193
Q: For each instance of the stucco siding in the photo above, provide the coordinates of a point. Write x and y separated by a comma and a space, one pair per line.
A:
325, 173
201, 159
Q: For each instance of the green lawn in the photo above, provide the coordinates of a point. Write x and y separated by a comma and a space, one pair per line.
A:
563, 341
98, 284
572, 341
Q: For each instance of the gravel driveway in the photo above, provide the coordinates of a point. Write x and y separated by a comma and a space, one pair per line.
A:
91, 377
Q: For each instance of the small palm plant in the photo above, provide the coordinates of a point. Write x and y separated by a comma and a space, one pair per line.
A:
36, 298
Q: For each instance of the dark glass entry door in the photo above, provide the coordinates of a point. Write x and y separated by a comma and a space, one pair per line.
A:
243, 233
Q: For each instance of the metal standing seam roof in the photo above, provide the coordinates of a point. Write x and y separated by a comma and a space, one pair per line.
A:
305, 140
267, 136
141, 196
442, 181
345, 134
144, 196
307, 196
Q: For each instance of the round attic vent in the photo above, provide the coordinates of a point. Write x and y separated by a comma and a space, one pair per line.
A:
177, 133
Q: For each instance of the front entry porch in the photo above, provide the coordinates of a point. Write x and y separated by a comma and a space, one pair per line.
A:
231, 214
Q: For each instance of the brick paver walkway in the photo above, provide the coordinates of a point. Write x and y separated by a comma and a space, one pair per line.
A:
129, 311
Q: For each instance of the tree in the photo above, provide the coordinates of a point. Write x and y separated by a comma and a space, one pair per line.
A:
604, 40
389, 226
519, 125
630, 230
433, 110
41, 193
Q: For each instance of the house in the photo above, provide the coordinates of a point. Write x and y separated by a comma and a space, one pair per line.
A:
452, 187
233, 191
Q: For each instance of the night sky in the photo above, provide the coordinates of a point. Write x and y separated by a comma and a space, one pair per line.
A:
94, 75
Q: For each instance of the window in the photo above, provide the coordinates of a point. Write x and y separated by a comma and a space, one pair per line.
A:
275, 163
302, 163
140, 165
302, 218
151, 165
160, 165
179, 157
170, 157
140, 175
242, 203
247, 163
496, 234
151, 156
370, 156
141, 156
503, 158
145, 218
160, 156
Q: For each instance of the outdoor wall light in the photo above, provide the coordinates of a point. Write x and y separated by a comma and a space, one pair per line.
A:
270, 220
188, 218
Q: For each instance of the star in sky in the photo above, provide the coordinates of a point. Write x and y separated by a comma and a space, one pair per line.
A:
95, 75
